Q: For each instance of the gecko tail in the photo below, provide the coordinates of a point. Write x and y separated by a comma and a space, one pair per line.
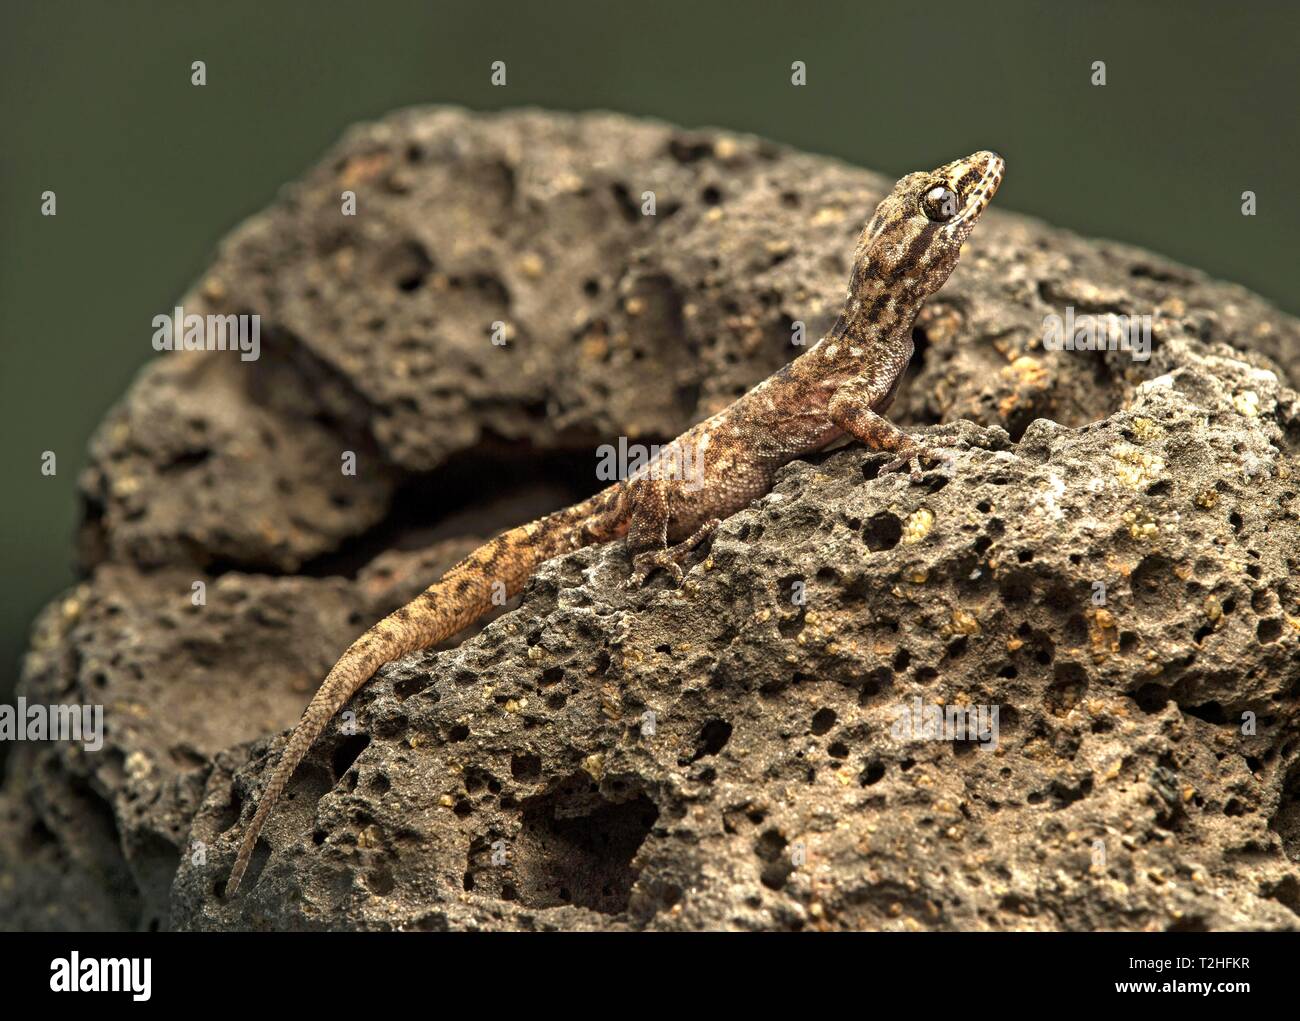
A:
455, 601
366, 655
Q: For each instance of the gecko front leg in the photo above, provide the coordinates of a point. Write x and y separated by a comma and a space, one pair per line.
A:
850, 409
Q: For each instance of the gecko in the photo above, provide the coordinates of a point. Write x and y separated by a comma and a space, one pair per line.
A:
840, 387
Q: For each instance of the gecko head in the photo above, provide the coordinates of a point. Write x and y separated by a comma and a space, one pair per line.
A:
914, 239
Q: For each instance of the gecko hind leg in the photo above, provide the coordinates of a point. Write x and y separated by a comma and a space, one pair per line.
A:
670, 558
647, 534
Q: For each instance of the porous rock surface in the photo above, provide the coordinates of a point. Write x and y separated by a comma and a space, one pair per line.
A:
1110, 563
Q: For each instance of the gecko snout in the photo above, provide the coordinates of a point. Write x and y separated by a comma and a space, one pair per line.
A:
969, 184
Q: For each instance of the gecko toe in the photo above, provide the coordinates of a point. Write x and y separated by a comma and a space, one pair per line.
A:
899, 463
913, 458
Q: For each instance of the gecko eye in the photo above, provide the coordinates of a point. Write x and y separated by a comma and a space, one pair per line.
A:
939, 204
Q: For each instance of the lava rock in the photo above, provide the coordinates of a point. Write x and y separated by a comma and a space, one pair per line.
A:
1108, 564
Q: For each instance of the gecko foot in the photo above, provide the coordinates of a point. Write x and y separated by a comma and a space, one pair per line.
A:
912, 453
670, 559
645, 564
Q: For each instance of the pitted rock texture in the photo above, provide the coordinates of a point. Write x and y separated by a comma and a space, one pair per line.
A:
1110, 564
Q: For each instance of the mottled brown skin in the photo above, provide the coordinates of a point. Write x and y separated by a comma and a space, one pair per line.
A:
841, 385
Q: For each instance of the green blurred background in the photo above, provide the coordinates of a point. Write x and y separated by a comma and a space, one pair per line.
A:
150, 171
